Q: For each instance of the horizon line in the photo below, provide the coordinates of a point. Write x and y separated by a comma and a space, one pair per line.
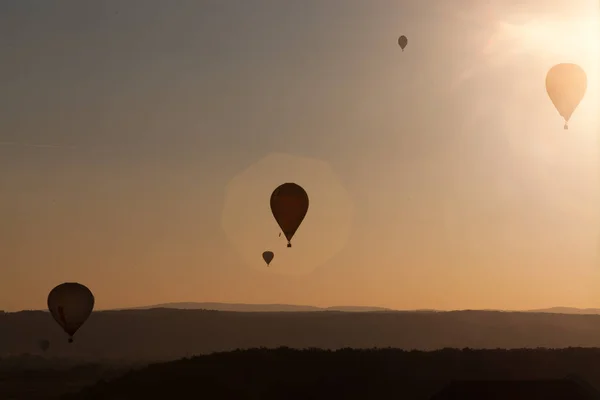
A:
318, 308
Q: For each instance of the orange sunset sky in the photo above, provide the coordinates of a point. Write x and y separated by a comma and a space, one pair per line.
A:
140, 142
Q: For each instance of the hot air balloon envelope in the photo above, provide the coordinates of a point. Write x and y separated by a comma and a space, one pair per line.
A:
566, 85
289, 204
402, 42
70, 304
268, 256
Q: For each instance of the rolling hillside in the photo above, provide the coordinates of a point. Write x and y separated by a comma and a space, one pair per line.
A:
164, 334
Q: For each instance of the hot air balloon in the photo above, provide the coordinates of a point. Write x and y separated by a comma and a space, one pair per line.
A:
402, 42
566, 85
70, 304
289, 204
44, 344
268, 257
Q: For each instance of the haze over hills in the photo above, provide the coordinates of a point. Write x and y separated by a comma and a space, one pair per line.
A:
569, 310
243, 307
166, 334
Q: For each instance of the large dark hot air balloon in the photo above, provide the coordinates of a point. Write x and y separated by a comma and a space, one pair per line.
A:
289, 204
268, 257
566, 85
70, 304
402, 42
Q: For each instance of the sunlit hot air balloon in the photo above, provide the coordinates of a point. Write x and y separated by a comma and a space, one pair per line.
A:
268, 257
70, 304
402, 42
566, 85
44, 344
289, 204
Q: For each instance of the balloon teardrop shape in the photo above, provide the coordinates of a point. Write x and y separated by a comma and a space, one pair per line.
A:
268, 257
402, 42
566, 85
70, 304
289, 205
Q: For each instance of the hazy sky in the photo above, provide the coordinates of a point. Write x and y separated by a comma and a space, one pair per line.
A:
140, 142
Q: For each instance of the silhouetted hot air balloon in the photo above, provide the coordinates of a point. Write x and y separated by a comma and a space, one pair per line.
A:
70, 304
289, 204
402, 42
268, 257
44, 344
566, 85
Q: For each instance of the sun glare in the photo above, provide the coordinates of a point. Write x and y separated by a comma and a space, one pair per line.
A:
575, 38
553, 40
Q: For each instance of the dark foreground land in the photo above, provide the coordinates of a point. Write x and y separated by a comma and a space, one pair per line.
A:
110, 342
36, 378
285, 373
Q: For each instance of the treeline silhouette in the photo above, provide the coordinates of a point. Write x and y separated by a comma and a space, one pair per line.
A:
169, 334
34, 378
285, 373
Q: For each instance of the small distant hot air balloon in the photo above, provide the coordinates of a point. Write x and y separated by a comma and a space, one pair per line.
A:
268, 257
70, 304
566, 85
289, 204
402, 42
44, 345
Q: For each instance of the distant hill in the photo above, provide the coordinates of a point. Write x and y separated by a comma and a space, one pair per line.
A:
568, 310
167, 334
240, 307
357, 309
360, 374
